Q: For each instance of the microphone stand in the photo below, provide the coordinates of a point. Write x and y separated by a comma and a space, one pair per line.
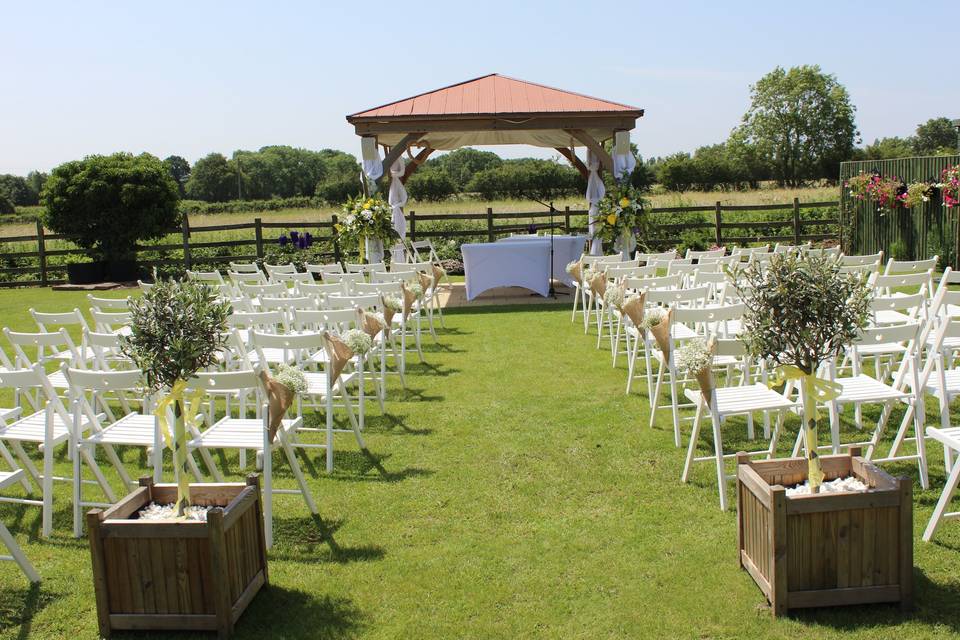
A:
552, 293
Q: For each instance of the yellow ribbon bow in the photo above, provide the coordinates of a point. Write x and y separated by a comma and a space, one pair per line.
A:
177, 441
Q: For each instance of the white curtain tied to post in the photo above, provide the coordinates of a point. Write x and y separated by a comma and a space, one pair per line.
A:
397, 199
372, 164
595, 193
623, 165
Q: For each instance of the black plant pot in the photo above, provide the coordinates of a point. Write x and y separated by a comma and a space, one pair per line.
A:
122, 270
85, 272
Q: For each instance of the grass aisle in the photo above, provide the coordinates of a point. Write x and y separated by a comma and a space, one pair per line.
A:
516, 493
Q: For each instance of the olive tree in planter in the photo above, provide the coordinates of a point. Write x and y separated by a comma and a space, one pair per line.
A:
184, 572
816, 549
106, 205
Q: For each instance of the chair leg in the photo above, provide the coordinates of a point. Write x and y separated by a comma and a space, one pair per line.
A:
24, 481
674, 410
47, 519
297, 473
267, 493
576, 296
77, 489
329, 451
18, 556
718, 454
948, 490
692, 448
655, 397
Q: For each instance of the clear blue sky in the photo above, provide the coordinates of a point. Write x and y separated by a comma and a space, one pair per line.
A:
189, 78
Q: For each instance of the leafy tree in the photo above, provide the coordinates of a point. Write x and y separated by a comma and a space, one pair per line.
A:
884, 148
6, 204
677, 172
805, 119
432, 184
108, 203
527, 178
461, 165
751, 162
280, 172
36, 180
934, 137
179, 170
213, 179
17, 190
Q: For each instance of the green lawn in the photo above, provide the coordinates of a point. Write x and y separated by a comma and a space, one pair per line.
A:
516, 493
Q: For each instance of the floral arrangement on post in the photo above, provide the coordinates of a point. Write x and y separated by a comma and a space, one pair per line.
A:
915, 195
802, 311
876, 188
296, 239
622, 214
178, 328
950, 186
366, 220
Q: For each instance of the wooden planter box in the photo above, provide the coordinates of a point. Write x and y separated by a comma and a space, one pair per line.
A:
155, 575
826, 549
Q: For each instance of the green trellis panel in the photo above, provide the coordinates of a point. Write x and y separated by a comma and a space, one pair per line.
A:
907, 234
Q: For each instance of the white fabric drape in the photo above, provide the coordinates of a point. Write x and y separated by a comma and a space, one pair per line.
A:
623, 160
372, 164
397, 199
595, 193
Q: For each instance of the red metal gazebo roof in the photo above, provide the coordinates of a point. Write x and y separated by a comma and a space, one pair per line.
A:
493, 94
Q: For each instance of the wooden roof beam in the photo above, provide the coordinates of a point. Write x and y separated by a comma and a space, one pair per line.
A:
582, 136
395, 152
415, 163
574, 160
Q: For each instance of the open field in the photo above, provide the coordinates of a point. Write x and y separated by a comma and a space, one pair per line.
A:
471, 205
515, 492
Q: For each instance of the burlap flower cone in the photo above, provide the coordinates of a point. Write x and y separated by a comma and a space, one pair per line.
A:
438, 274
633, 308
576, 271
387, 316
409, 299
279, 399
598, 283
705, 376
338, 353
661, 333
426, 281
369, 323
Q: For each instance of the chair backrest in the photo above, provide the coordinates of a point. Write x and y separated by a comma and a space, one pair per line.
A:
217, 381
712, 318
244, 267
790, 248
611, 259
108, 304
424, 250
711, 253
87, 380
270, 320
617, 272
923, 280
345, 278
647, 257
273, 289
287, 304
366, 301
365, 267
887, 335
862, 260
666, 264
246, 277
318, 290
746, 252
823, 252
339, 319
864, 269
40, 340
380, 277
47, 321
320, 269
685, 268
910, 266
910, 302
273, 269
292, 277
730, 347
661, 282
376, 288
210, 277
144, 286
721, 261
35, 377
678, 297
105, 348
296, 344
715, 278
110, 320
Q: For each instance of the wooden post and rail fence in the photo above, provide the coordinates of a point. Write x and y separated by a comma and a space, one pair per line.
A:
16, 251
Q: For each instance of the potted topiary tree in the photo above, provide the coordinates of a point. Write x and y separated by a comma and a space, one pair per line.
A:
106, 205
177, 556
805, 548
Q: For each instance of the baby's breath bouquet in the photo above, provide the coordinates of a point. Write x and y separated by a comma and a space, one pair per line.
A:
358, 341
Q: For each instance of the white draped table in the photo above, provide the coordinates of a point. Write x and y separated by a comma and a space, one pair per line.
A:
521, 262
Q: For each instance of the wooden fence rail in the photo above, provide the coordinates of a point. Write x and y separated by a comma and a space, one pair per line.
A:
490, 224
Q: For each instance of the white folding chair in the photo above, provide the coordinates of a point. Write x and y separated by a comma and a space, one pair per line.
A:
253, 434
274, 269
111, 321
743, 399
244, 267
910, 266
8, 478
950, 439
207, 277
320, 269
108, 304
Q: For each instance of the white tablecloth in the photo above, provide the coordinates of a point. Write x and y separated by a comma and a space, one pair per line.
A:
566, 249
520, 263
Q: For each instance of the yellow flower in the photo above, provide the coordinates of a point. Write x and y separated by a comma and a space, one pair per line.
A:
612, 219
624, 202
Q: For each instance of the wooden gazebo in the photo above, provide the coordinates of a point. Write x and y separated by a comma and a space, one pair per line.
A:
493, 110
